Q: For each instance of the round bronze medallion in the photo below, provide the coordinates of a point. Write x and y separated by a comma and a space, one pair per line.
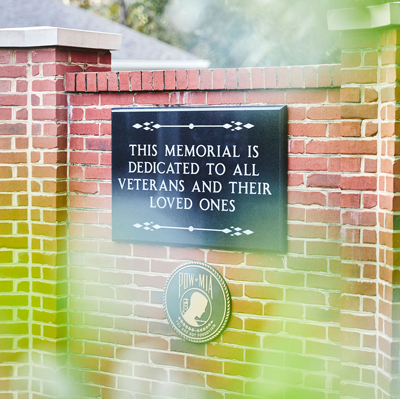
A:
197, 302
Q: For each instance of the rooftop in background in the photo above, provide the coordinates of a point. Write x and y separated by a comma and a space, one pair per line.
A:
138, 51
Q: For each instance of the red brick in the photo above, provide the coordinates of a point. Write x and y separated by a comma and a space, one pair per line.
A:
84, 128
370, 201
13, 71
324, 248
350, 200
358, 183
84, 99
225, 97
283, 77
350, 129
359, 218
83, 187
324, 76
350, 235
228, 258
218, 78
102, 144
306, 231
102, 81
158, 80
365, 254
97, 173
193, 79
231, 79
306, 198
323, 180
136, 81
307, 129
117, 99
310, 76
350, 164
100, 114
271, 78
152, 98
112, 79
352, 76
265, 97
188, 97
244, 78
124, 81
296, 113
5, 86
327, 112
257, 78
206, 79
295, 179
307, 164
323, 215
305, 96
296, 146
13, 99
296, 76
351, 59
181, 80
360, 111
244, 274
56, 85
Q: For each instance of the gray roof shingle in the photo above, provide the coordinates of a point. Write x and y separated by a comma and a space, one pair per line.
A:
135, 45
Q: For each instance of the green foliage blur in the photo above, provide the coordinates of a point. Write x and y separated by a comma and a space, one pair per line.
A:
236, 33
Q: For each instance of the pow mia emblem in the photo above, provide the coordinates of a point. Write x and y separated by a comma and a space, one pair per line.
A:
197, 302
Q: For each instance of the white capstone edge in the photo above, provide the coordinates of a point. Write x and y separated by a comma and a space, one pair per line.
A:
48, 36
364, 17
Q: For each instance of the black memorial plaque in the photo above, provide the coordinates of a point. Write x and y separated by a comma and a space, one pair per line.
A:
197, 302
200, 177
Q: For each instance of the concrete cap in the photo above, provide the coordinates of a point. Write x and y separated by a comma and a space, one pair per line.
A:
364, 17
45, 36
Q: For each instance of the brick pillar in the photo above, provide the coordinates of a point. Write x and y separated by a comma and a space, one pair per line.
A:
34, 135
369, 318
359, 213
388, 322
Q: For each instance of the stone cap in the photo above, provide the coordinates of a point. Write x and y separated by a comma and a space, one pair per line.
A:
47, 36
364, 17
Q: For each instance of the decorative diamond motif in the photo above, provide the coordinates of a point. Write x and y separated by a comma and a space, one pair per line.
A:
236, 231
227, 126
248, 125
156, 126
137, 126
238, 123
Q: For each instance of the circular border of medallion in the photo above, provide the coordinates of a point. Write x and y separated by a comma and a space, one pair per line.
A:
198, 307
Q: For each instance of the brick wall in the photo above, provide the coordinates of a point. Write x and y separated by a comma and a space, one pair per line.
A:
284, 333
33, 215
319, 322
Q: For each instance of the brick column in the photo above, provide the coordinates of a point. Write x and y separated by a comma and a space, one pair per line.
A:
34, 110
369, 322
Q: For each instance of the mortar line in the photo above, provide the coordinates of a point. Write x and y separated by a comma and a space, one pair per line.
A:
30, 235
